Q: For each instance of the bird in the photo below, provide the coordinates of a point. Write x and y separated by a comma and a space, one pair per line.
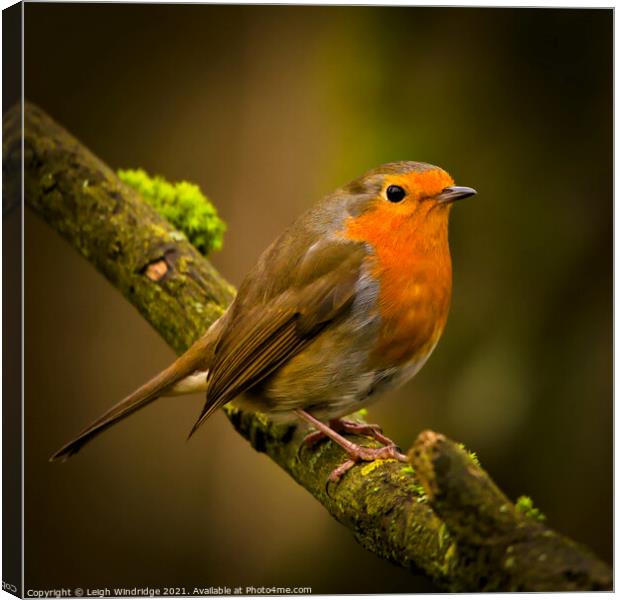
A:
348, 302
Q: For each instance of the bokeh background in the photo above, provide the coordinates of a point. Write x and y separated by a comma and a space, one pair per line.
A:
268, 108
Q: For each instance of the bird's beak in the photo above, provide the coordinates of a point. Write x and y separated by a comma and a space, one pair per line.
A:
455, 192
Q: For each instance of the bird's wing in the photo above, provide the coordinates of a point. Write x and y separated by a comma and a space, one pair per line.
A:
261, 338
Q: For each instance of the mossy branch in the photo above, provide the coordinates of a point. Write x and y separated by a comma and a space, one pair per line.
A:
442, 515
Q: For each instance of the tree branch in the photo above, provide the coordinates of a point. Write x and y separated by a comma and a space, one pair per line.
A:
442, 515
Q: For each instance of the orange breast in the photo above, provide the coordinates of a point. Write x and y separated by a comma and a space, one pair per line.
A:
413, 267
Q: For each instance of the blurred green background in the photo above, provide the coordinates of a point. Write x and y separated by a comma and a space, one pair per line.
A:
268, 108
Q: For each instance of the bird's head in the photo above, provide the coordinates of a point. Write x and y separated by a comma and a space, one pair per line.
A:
403, 202
406, 187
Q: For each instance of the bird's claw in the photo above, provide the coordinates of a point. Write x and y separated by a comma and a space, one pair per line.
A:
356, 453
346, 426
364, 454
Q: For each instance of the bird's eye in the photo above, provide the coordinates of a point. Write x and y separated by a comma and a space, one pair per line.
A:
395, 193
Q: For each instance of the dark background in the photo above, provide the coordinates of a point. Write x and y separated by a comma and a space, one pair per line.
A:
268, 108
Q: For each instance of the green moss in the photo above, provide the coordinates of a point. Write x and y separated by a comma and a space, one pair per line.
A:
419, 490
183, 204
449, 560
443, 535
359, 415
525, 506
472, 455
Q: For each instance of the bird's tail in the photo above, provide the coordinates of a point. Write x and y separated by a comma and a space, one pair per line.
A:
186, 375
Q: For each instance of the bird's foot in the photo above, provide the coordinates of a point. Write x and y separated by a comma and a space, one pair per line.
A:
356, 453
364, 454
347, 426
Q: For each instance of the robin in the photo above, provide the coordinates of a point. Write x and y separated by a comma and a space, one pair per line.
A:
348, 302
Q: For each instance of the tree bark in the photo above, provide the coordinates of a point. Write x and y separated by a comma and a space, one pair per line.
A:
442, 515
